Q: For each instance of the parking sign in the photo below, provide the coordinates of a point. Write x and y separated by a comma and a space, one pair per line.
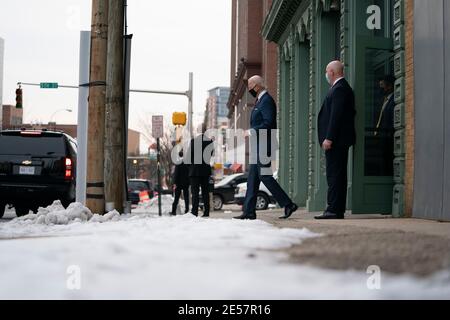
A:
157, 126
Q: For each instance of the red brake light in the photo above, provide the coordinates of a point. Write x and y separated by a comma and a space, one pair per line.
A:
68, 174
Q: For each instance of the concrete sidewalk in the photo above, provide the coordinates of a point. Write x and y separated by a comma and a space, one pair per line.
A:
398, 246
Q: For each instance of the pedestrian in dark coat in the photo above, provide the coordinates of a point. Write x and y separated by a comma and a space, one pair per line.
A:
200, 153
181, 185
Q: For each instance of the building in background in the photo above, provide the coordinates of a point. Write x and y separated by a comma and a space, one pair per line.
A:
216, 108
251, 54
13, 119
374, 39
2, 56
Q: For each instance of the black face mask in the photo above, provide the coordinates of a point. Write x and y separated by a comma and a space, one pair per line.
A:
253, 93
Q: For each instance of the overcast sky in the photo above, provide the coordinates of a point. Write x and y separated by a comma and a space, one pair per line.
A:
171, 38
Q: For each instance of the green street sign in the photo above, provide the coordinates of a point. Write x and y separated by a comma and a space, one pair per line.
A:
49, 85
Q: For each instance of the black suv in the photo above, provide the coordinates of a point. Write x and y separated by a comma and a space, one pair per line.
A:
36, 168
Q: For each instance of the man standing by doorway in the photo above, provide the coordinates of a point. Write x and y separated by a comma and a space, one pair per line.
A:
384, 128
336, 129
263, 120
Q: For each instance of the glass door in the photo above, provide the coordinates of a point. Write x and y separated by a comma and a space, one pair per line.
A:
373, 154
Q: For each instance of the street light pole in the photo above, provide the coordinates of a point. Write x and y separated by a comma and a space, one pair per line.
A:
135, 163
54, 113
189, 94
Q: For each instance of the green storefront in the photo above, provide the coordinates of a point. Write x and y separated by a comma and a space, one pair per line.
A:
368, 36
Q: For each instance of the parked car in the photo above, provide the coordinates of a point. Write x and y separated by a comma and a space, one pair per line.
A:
135, 186
225, 190
36, 168
264, 197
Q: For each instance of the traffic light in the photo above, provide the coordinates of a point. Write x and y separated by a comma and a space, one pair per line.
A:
179, 118
19, 98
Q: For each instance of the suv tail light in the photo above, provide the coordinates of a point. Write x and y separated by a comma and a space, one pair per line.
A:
68, 169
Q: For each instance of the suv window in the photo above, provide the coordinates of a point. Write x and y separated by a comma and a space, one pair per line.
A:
34, 145
138, 185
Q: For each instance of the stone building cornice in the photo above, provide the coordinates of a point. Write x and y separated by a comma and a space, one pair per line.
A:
278, 19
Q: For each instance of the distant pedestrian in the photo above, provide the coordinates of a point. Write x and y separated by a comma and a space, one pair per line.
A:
200, 153
181, 185
336, 130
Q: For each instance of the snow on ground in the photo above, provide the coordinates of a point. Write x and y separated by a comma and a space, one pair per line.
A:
143, 256
166, 205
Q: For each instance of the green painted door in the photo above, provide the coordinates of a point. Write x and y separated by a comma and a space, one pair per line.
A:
372, 169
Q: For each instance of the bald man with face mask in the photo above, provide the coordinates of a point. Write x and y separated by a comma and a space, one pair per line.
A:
336, 130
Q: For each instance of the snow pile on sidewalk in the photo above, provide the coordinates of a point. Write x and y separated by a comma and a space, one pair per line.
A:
56, 214
151, 207
184, 257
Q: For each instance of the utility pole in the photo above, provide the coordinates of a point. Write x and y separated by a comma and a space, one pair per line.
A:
95, 194
115, 109
191, 102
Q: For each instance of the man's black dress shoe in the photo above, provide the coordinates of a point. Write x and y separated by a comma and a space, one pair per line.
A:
289, 210
329, 216
205, 216
246, 217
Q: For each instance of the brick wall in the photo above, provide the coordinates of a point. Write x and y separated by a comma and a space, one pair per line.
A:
270, 58
11, 116
409, 107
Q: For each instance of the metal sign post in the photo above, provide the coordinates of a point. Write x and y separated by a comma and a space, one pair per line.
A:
158, 132
159, 176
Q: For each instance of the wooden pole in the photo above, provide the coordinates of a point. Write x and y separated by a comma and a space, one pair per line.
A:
95, 198
115, 109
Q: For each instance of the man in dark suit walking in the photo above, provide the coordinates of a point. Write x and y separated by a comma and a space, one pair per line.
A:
181, 184
262, 122
200, 152
337, 134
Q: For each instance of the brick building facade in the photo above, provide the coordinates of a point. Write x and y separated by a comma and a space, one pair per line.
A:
409, 107
251, 55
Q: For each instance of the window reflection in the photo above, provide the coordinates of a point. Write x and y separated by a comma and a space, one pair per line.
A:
379, 110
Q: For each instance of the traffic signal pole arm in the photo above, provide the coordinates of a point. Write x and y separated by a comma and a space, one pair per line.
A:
38, 85
177, 93
189, 94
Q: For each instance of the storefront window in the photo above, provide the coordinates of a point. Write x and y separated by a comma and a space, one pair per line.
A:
379, 109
